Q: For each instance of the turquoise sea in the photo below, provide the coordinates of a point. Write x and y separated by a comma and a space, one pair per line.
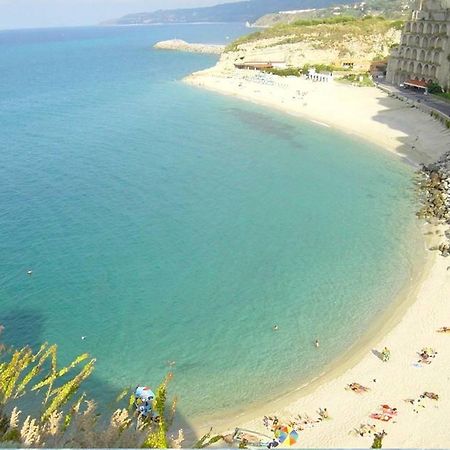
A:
167, 223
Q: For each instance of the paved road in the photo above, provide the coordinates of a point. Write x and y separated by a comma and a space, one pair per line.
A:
429, 100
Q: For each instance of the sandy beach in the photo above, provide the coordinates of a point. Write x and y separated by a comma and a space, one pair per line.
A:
365, 112
413, 322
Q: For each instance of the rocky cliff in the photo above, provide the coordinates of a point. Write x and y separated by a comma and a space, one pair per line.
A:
342, 43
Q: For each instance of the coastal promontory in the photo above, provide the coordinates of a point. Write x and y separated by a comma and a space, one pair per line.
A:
183, 46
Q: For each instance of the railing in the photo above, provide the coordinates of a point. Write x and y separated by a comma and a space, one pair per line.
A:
433, 112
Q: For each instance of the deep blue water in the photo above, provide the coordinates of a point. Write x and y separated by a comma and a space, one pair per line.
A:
166, 223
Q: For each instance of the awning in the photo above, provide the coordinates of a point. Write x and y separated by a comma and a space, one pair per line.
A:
420, 84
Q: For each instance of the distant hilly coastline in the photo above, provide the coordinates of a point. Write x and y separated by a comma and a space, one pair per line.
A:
244, 11
390, 9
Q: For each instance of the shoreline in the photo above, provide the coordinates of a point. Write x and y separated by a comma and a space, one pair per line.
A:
415, 137
381, 326
336, 105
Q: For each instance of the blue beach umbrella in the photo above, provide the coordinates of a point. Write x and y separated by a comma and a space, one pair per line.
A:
144, 393
143, 398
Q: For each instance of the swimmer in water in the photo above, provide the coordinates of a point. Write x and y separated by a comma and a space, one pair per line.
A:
30, 272
275, 328
317, 343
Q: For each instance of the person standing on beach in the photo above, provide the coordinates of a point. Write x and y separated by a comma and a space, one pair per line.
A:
385, 354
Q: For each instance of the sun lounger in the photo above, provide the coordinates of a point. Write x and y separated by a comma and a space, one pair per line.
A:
358, 388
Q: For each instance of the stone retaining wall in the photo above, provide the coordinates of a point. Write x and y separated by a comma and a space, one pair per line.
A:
438, 115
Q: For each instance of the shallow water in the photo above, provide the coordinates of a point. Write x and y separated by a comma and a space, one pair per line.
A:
165, 223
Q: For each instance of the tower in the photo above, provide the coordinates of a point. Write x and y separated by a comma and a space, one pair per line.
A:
422, 56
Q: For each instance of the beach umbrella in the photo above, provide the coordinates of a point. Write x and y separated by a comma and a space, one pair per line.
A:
286, 436
144, 393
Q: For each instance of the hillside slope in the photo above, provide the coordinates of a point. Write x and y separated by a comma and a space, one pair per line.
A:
392, 9
338, 42
243, 11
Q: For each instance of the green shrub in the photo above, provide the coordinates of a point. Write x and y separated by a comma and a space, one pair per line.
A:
76, 424
289, 72
434, 88
360, 79
327, 20
325, 32
444, 95
378, 439
322, 68
398, 24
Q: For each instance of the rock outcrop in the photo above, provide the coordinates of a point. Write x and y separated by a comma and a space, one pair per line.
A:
183, 46
434, 189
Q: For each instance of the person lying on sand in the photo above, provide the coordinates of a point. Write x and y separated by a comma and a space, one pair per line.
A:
426, 355
388, 410
365, 428
381, 416
444, 330
386, 415
323, 413
303, 422
430, 395
358, 388
270, 422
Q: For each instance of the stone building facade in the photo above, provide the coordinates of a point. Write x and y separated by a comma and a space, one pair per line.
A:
424, 51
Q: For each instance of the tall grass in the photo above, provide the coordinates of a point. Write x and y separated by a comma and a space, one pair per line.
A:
67, 419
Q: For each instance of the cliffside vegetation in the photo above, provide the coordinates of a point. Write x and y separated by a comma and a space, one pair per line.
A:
65, 418
391, 9
321, 33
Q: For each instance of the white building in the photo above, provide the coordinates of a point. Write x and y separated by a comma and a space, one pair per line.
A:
424, 52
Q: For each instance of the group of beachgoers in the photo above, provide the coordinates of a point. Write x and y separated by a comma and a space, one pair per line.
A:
263, 78
419, 403
267, 79
385, 412
427, 355
300, 422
